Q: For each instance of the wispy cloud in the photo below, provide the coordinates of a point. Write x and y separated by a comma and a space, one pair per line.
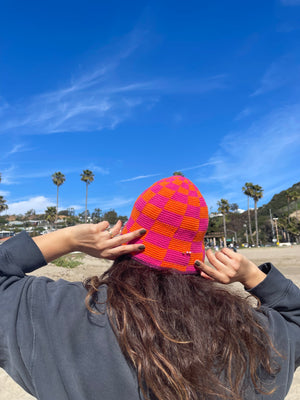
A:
17, 148
73, 111
98, 99
93, 100
95, 103
7, 175
98, 169
246, 112
135, 178
200, 165
14, 175
263, 154
279, 74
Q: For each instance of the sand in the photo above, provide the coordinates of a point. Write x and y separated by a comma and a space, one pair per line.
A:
287, 260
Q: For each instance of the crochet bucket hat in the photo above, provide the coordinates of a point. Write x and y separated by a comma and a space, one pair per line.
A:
175, 215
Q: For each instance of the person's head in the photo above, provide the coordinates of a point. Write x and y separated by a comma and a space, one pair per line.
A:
187, 337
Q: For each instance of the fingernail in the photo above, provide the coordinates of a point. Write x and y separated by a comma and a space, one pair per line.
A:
143, 231
197, 263
141, 247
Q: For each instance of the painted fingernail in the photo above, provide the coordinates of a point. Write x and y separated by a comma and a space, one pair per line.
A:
141, 247
143, 231
197, 263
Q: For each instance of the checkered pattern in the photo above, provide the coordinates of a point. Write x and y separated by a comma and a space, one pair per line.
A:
176, 218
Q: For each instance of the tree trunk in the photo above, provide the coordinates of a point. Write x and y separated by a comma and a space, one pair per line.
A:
56, 204
86, 197
256, 225
249, 220
225, 233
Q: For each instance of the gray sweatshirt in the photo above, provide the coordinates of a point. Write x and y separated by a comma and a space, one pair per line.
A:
53, 347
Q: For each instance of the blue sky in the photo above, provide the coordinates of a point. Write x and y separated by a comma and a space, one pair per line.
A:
136, 90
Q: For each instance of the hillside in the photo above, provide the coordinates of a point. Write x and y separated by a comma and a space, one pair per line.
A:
279, 204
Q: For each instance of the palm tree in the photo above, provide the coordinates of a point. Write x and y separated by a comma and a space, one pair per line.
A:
223, 208
178, 173
247, 190
3, 205
58, 179
50, 215
97, 215
257, 193
87, 176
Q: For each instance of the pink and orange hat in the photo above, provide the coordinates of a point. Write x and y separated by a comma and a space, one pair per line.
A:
175, 215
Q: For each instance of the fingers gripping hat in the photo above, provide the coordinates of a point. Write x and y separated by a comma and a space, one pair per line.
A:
176, 218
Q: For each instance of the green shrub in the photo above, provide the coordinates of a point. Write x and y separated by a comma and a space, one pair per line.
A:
69, 261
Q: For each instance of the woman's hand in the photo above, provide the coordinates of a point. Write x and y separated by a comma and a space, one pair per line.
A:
230, 267
93, 239
99, 241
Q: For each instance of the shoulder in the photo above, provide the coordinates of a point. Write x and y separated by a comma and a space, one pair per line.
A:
52, 291
63, 297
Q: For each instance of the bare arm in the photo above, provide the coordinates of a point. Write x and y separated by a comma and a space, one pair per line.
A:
230, 267
92, 239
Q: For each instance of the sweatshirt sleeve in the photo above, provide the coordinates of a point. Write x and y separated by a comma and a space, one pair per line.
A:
18, 256
279, 293
280, 298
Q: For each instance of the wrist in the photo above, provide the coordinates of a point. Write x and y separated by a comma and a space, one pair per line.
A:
254, 277
56, 244
72, 239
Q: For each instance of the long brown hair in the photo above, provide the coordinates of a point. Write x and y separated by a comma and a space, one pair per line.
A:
187, 337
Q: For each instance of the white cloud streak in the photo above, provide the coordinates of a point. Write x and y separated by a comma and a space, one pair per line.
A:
97, 169
200, 165
138, 177
97, 99
267, 153
13, 175
92, 101
7, 176
279, 74
246, 112
17, 148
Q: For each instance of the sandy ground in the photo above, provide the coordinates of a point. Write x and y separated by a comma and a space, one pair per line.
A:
287, 260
